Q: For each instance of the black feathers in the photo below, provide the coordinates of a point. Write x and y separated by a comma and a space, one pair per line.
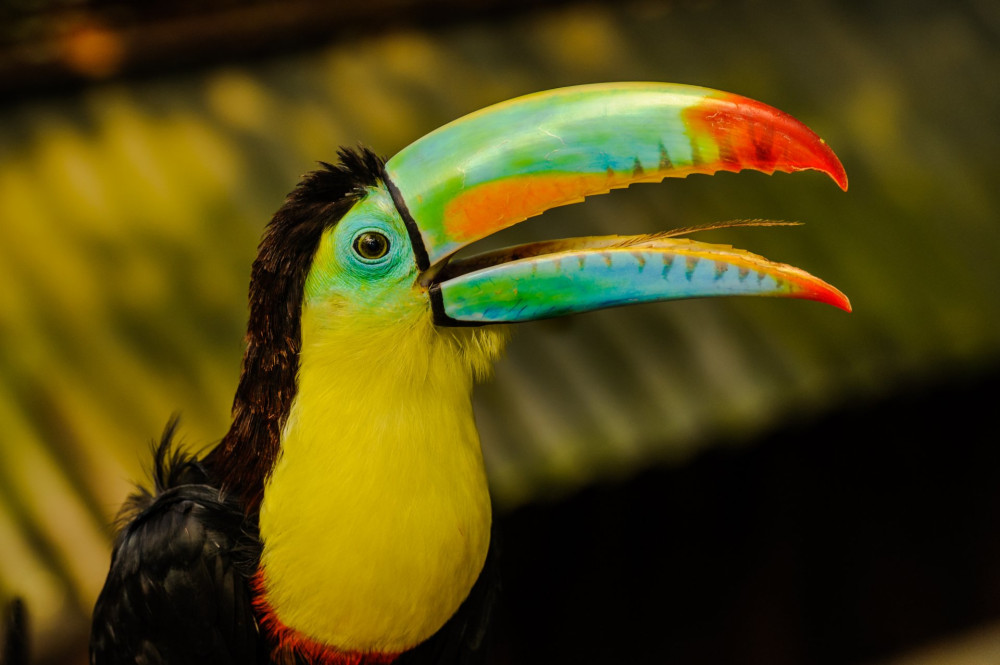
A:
267, 384
178, 589
172, 467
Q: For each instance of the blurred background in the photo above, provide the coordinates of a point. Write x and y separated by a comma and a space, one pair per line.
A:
727, 481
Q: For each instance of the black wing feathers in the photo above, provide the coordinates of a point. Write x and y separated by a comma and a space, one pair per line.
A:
178, 587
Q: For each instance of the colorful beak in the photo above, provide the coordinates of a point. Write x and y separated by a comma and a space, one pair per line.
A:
503, 164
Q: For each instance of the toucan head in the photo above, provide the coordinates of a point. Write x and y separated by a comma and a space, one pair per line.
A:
391, 255
365, 250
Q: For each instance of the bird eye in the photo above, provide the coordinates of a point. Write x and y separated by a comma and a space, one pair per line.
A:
371, 245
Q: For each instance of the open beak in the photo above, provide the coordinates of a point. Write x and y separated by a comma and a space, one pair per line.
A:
503, 164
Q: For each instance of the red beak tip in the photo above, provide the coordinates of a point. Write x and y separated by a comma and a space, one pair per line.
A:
839, 176
836, 299
832, 166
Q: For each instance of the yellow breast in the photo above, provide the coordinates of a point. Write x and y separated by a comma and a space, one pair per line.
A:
376, 518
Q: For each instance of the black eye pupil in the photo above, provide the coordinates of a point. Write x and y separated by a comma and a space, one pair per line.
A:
371, 245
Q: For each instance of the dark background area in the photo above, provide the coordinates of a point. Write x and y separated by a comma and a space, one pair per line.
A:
844, 540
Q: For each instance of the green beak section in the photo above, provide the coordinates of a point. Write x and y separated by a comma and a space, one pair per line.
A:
544, 280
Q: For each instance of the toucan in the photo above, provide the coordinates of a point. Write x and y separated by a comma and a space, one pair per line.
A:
345, 517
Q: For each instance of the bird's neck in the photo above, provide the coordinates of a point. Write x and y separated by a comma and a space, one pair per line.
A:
376, 518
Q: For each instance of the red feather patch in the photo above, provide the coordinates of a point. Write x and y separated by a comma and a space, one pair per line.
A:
287, 643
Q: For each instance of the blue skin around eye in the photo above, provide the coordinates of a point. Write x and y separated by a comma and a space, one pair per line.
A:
337, 269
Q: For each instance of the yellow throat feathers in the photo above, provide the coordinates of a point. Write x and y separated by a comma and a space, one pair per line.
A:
376, 518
